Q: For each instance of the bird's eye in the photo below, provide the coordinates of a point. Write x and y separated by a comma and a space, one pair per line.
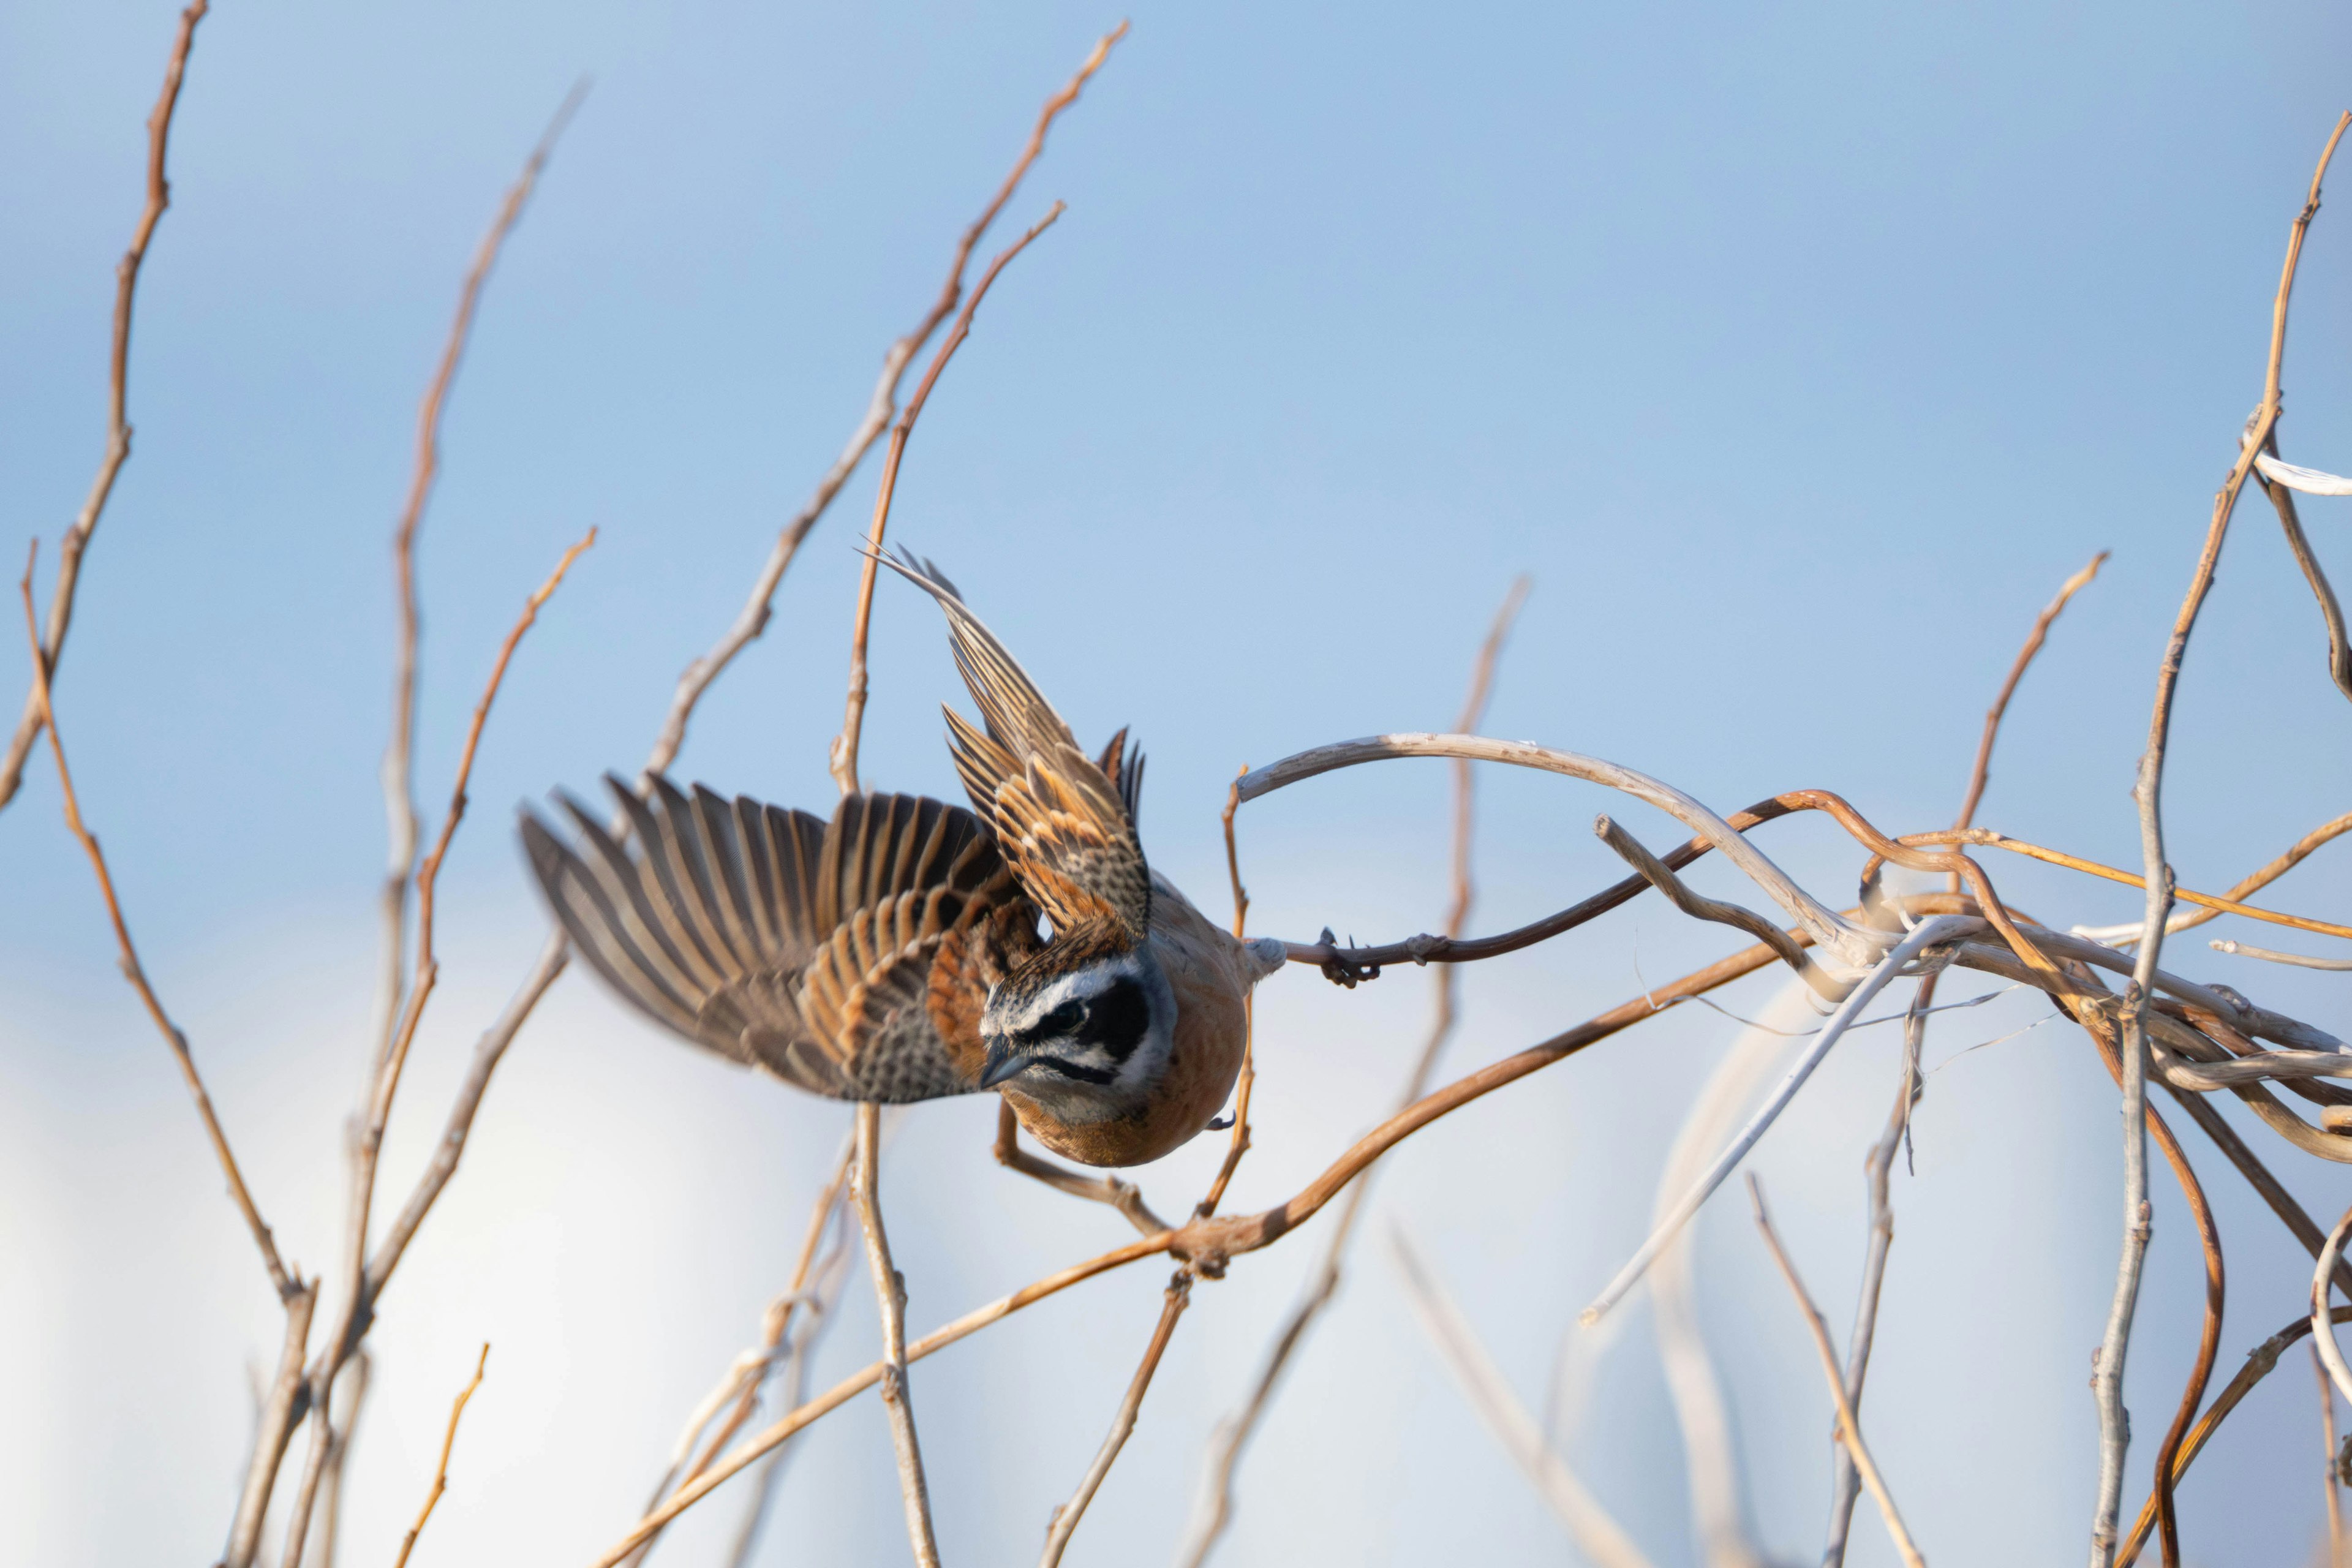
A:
1063, 1020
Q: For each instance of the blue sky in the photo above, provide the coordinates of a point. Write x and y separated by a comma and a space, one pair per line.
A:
1798, 353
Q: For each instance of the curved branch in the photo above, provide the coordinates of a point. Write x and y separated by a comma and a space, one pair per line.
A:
1855, 944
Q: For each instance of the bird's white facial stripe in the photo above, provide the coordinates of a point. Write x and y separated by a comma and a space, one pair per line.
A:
1111, 1044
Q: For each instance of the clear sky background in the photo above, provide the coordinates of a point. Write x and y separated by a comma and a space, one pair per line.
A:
1798, 353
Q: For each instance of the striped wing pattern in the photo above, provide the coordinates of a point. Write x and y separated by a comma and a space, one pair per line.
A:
1065, 822
800, 946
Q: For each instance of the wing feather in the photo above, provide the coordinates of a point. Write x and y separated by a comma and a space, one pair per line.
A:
1065, 822
805, 947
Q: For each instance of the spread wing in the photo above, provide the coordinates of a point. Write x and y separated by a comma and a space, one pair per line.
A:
1065, 822
804, 947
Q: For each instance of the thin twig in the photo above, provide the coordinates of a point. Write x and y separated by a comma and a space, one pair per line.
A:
1879, 1165
1064, 1521
2254, 881
274, 1429
2329, 1478
367, 1145
2258, 1365
441, 1470
1238, 1144
2272, 955
1982, 770
1210, 1243
2115, 1428
1597, 1536
1878, 1168
2323, 1335
1214, 1508
1927, 933
339, 1448
398, 768
890, 1296
741, 1384
48, 649
844, 746
1849, 1425
2218, 904
288, 1286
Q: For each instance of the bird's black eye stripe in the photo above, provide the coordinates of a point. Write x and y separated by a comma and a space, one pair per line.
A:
1116, 1020
1063, 1020
1073, 1070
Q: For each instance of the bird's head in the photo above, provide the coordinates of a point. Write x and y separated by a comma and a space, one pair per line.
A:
1085, 1035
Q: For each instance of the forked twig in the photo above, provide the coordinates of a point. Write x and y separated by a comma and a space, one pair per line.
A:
441, 1470
48, 649
1849, 1425
1064, 1521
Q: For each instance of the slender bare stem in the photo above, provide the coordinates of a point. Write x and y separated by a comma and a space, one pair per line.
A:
2329, 1461
398, 770
2114, 1424
1238, 1144
1209, 1244
695, 681
2259, 1363
441, 1470
50, 647
275, 1429
1849, 1425
844, 746
1226, 1445
331, 1491
1878, 1167
287, 1286
1597, 1536
1065, 1522
890, 1296
1982, 771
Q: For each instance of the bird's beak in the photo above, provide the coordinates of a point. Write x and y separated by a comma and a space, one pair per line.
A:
1002, 1062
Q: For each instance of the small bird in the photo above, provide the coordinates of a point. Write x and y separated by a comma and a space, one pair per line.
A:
894, 953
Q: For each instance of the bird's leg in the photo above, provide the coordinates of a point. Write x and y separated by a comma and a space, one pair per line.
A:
1124, 1196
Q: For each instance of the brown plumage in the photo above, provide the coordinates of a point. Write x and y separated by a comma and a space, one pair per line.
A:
893, 954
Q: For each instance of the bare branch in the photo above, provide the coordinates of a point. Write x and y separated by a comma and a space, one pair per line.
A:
1927, 933
890, 1296
288, 1288
2033, 641
1232, 1434
1065, 1522
2114, 1429
2272, 955
2259, 1363
274, 1430
1209, 1244
845, 746
1849, 1425
1597, 1536
441, 1471
1656, 872
48, 649
398, 771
